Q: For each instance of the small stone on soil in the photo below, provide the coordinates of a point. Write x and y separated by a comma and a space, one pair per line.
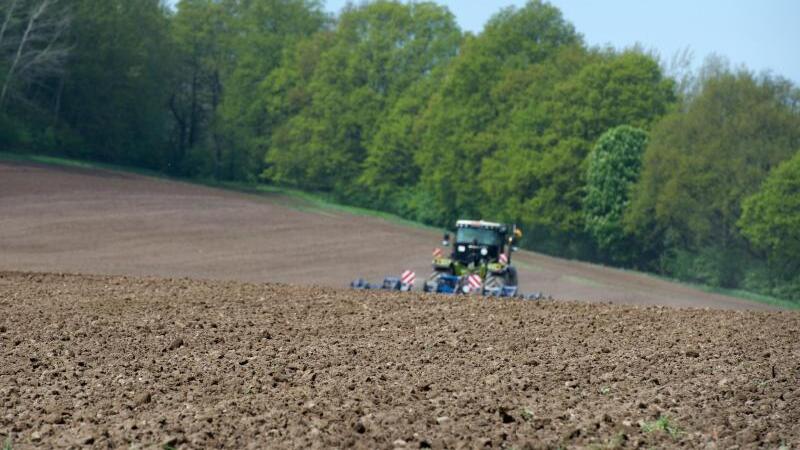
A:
55, 418
171, 441
143, 398
176, 344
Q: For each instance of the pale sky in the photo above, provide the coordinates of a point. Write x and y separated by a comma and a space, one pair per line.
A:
761, 34
764, 35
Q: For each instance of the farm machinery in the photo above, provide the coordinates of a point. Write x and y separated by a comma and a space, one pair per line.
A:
479, 263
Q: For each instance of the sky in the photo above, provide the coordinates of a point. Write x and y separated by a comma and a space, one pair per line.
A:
764, 35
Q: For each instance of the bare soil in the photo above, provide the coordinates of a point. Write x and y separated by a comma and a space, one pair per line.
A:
113, 362
95, 221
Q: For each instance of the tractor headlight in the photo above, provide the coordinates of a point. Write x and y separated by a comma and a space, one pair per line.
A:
462, 249
484, 251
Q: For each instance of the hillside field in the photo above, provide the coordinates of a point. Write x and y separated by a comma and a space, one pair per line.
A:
62, 219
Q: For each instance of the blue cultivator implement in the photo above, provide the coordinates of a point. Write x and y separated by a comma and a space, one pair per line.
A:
447, 284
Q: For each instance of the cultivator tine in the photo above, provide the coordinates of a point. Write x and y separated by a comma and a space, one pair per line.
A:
403, 283
360, 284
508, 291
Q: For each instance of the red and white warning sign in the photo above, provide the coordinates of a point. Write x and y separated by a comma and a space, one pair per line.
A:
503, 258
474, 281
408, 277
438, 253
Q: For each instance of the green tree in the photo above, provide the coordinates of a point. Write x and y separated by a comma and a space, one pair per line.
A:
465, 122
614, 166
228, 50
117, 84
702, 162
265, 31
375, 53
538, 173
201, 35
771, 217
390, 171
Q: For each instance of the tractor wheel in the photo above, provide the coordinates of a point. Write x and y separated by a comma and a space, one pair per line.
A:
511, 278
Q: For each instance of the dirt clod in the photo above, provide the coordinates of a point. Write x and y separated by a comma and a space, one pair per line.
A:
171, 441
506, 416
143, 399
176, 344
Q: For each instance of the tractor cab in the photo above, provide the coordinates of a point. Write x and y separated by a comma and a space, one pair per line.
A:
478, 242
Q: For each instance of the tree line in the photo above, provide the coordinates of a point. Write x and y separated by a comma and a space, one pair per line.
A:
601, 154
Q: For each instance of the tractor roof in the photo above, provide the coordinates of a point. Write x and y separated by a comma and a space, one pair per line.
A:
478, 224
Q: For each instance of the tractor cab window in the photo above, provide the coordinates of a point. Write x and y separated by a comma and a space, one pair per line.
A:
483, 236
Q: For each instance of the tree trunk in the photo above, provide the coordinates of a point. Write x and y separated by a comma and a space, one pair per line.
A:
181, 145
37, 12
57, 106
193, 111
216, 94
9, 15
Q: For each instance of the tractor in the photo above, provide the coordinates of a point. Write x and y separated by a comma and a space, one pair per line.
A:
479, 262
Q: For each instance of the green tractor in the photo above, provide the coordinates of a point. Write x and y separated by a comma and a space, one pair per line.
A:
480, 260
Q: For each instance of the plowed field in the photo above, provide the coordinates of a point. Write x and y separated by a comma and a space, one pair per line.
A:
117, 362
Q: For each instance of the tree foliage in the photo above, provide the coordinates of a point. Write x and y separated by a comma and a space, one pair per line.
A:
466, 119
702, 162
33, 46
771, 217
115, 92
540, 168
374, 54
614, 166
